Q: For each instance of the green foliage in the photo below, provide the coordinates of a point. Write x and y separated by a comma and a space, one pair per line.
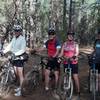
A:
37, 17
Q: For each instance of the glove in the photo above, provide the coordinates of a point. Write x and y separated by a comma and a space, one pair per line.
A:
59, 59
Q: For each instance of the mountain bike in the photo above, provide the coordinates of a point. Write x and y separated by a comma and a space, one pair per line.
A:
93, 79
67, 82
7, 75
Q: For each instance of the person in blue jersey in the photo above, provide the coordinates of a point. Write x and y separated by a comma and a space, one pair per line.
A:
95, 57
97, 51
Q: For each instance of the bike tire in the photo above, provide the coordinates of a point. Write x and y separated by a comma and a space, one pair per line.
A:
68, 92
11, 78
94, 87
90, 80
4, 78
4, 88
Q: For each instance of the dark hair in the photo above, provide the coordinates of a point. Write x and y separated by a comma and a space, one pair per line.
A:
51, 32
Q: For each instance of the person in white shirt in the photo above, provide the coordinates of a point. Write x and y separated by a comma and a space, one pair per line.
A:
18, 47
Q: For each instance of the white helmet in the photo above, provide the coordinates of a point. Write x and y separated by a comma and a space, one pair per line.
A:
17, 28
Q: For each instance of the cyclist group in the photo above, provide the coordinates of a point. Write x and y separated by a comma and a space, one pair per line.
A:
68, 50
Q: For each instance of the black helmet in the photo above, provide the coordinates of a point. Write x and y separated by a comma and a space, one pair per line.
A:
17, 28
70, 33
51, 32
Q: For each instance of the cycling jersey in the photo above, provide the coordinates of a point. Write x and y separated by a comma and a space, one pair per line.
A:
70, 50
52, 45
97, 50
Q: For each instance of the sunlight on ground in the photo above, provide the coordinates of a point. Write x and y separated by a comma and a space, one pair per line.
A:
86, 50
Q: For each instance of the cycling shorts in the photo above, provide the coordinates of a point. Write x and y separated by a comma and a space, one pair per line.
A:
18, 63
74, 68
53, 64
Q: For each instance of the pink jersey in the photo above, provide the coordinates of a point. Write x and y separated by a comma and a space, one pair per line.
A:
70, 50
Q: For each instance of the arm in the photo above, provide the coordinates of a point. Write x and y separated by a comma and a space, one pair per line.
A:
61, 52
77, 50
8, 48
75, 57
58, 47
39, 51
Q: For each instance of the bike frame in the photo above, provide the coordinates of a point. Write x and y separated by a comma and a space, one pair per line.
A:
7, 77
6, 71
93, 80
68, 72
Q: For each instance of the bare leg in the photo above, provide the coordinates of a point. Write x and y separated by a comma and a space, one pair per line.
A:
76, 79
56, 78
47, 73
21, 75
16, 73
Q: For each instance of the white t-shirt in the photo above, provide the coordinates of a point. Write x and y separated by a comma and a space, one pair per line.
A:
16, 46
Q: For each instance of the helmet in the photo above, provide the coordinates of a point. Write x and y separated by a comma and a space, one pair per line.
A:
17, 28
70, 33
51, 32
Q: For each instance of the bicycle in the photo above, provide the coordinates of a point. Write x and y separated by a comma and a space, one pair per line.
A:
93, 78
7, 75
67, 82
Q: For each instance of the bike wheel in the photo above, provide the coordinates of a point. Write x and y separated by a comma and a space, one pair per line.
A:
4, 88
90, 81
94, 87
11, 78
67, 87
4, 78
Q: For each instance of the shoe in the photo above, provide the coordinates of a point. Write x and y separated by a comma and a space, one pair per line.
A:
46, 88
18, 93
17, 89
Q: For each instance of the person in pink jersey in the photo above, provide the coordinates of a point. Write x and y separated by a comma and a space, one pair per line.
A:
70, 50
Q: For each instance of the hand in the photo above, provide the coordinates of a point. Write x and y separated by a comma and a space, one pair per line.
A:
59, 59
32, 51
74, 58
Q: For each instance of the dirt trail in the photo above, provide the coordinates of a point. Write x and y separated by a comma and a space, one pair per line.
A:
40, 94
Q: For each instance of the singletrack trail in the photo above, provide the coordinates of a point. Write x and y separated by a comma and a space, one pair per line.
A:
40, 94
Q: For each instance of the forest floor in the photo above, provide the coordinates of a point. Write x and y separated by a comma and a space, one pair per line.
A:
40, 94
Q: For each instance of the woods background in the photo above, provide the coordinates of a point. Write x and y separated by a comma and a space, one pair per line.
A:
37, 16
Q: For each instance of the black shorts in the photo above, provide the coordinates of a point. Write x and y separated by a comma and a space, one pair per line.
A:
18, 63
74, 68
53, 64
